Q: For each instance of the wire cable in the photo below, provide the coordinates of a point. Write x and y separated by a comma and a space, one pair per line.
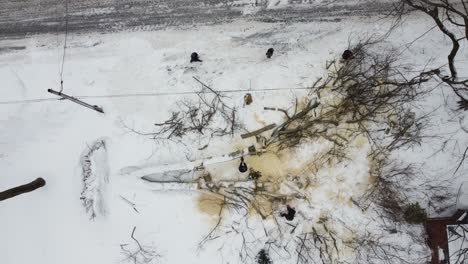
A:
64, 46
129, 95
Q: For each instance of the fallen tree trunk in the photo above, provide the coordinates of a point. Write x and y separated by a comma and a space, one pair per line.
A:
29, 187
258, 131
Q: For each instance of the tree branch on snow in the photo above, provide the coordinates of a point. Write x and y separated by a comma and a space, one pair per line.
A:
449, 16
368, 92
238, 199
132, 204
458, 237
208, 116
138, 253
390, 181
391, 190
242, 200
445, 13
95, 173
464, 156
374, 249
246, 254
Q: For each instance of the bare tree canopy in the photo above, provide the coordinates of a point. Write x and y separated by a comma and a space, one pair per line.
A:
451, 18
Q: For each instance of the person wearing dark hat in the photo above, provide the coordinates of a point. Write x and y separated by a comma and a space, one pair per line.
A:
269, 53
242, 165
194, 57
347, 55
290, 214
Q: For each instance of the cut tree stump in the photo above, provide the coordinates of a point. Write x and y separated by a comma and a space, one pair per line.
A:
258, 131
29, 187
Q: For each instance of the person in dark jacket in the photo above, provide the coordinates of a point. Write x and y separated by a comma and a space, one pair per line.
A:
248, 99
347, 55
290, 214
194, 57
269, 53
242, 166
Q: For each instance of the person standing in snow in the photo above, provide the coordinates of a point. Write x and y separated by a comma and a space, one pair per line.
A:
290, 214
347, 55
242, 165
194, 57
269, 53
248, 99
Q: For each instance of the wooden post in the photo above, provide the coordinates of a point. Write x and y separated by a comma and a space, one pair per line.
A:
29, 187
75, 100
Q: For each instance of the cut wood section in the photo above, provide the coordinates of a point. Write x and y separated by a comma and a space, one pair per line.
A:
75, 100
25, 188
259, 131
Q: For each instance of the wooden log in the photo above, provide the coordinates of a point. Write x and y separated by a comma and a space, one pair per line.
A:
29, 187
75, 100
258, 131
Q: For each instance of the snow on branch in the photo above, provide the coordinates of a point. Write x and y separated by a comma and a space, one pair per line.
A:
207, 116
95, 173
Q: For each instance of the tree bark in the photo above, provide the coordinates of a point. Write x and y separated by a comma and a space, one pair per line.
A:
29, 187
258, 131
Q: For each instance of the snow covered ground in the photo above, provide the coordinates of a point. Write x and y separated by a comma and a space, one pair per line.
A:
46, 138
22, 18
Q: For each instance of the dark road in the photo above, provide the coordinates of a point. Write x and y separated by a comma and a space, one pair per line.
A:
23, 18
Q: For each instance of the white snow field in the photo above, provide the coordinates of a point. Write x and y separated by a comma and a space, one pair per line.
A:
49, 138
